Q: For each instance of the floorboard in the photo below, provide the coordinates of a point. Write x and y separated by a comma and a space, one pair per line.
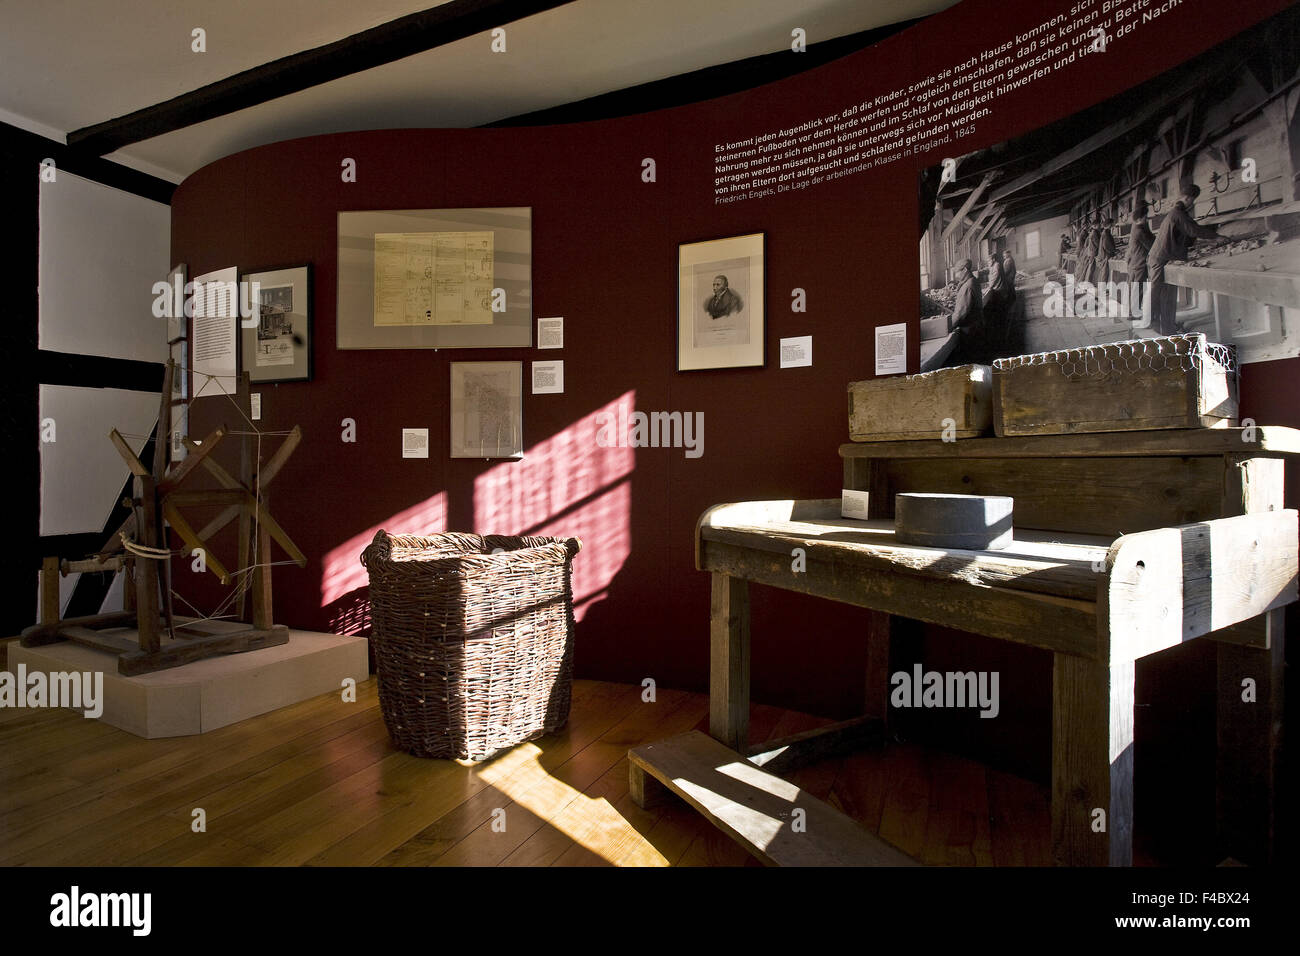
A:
320, 783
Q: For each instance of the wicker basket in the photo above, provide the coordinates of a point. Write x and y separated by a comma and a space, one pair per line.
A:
474, 649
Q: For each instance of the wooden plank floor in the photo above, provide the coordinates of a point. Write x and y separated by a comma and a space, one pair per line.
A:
319, 783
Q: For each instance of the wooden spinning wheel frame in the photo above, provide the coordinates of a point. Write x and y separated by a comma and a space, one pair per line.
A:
139, 548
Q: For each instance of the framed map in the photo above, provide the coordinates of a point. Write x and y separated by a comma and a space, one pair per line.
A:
487, 409
435, 278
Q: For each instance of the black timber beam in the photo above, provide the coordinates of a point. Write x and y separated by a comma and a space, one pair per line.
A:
395, 40
30, 149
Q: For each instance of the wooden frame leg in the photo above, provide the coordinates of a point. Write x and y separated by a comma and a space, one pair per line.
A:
1248, 737
128, 585
262, 616
50, 591
1092, 762
729, 662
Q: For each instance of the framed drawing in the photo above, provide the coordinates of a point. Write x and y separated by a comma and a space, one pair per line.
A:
435, 278
275, 341
720, 303
487, 409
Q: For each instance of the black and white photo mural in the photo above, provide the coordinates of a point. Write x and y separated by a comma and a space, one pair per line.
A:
1173, 207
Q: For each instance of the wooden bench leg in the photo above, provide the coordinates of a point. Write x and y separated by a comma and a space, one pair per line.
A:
729, 662
1092, 762
879, 630
1248, 737
645, 790
870, 475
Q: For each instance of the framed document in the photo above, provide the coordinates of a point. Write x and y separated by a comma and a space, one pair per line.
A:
435, 278
487, 409
214, 332
720, 303
275, 340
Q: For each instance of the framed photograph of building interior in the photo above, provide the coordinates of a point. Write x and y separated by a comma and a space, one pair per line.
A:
720, 303
487, 409
275, 340
435, 278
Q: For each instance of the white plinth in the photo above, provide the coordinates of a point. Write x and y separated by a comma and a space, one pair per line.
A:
212, 693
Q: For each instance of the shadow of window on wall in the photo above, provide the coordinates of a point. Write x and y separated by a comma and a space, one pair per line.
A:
344, 588
568, 486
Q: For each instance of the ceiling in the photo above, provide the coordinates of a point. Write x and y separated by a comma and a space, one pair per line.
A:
70, 64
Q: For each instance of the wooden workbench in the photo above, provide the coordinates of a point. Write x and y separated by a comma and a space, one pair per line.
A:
1126, 544
1269, 274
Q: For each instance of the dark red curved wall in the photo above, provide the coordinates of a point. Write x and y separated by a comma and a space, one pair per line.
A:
605, 252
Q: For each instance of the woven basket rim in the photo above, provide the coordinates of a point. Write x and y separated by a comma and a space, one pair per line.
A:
378, 553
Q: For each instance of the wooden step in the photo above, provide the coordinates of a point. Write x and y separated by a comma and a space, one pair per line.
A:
753, 807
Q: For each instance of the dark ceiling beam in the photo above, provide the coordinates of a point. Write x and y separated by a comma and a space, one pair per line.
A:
27, 147
385, 43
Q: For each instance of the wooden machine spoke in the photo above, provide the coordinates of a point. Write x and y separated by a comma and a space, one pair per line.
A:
139, 548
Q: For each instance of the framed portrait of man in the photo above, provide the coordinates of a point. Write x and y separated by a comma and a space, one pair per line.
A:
720, 303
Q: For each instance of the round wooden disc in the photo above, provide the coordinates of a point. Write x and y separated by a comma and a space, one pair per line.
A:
968, 522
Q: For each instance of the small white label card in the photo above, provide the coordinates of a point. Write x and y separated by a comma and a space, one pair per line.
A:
255, 405
415, 443
891, 349
853, 504
550, 333
796, 352
548, 378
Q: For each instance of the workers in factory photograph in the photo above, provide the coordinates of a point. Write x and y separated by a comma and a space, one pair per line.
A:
1180, 213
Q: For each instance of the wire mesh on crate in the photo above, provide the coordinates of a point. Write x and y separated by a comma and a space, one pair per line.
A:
1171, 353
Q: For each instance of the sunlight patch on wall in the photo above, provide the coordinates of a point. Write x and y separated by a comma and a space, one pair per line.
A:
568, 486
342, 572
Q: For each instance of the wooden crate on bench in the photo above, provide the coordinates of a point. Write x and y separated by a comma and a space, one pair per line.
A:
1179, 381
957, 401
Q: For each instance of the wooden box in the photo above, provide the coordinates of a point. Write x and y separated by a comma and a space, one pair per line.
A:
1178, 381
945, 403
935, 327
